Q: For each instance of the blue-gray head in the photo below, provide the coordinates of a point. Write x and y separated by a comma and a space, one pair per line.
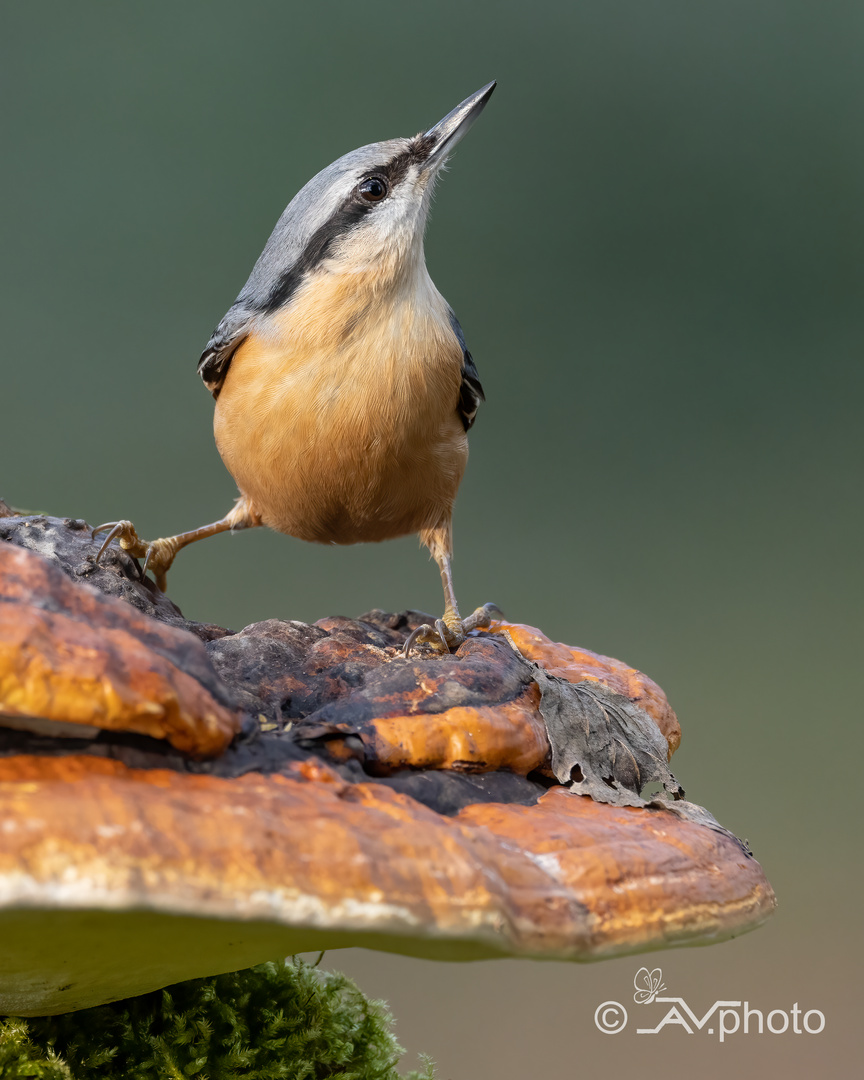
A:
367, 209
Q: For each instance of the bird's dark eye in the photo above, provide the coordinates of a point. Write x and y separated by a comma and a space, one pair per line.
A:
372, 189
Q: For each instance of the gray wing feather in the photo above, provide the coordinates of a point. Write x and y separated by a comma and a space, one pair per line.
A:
225, 340
471, 390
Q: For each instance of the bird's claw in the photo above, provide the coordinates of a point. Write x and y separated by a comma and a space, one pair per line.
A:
439, 636
124, 533
157, 554
481, 618
445, 636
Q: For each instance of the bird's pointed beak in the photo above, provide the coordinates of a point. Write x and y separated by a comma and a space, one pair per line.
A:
447, 132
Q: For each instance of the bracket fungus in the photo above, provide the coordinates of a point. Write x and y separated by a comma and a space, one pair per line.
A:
178, 800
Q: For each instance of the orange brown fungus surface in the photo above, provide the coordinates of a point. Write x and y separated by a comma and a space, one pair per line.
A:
567, 877
475, 739
293, 787
510, 735
92, 660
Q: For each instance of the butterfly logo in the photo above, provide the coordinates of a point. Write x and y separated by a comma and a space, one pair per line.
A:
648, 985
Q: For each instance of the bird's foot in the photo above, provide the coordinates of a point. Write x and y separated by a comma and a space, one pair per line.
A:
448, 633
157, 554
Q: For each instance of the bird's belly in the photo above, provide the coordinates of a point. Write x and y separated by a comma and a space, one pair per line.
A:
339, 456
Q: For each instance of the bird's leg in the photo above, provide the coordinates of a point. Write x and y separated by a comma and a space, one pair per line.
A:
450, 630
158, 555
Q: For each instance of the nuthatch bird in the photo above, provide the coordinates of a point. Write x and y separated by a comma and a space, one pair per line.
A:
344, 388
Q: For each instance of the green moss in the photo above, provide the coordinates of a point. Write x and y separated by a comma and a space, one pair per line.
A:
269, 1022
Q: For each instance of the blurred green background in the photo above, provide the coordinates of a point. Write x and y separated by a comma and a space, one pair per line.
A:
653, 239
